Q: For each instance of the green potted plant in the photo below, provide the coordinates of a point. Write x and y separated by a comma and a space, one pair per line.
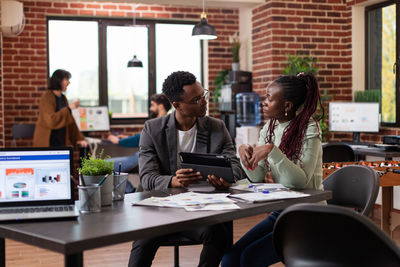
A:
235, 47
219, 81
96, 168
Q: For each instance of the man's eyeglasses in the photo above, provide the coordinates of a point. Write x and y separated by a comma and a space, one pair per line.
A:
197, 100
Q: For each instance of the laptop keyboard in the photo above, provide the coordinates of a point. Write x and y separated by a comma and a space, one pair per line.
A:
37, 209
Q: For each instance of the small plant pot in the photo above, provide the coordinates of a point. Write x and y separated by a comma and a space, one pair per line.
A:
106, 187
235, 66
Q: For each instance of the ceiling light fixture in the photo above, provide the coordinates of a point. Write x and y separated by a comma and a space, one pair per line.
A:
134, 62
203, 30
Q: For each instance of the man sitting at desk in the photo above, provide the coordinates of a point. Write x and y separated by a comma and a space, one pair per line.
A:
185, 130
159, 106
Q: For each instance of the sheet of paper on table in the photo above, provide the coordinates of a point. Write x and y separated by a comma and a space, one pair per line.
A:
189, 199
267, 196
246, 185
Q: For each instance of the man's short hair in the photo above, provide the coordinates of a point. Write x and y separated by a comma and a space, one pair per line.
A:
161, 99
173, 85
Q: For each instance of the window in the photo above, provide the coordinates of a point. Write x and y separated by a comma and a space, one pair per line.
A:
382, 71
73, 46
97, 51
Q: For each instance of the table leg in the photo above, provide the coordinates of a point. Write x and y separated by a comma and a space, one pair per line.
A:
387, 207
2, 252
74, 260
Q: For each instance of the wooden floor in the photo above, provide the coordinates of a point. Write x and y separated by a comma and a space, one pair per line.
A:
19, 254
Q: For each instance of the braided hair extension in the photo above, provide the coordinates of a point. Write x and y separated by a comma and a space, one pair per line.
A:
300, 89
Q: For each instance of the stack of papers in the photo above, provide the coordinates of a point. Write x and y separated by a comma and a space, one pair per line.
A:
191, 201
246, 185
267, 196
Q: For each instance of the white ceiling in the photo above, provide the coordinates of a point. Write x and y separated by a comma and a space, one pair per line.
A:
197, 3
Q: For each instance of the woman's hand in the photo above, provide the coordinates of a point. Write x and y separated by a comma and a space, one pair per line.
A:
83, 143
75, 104
260, 153
245, 153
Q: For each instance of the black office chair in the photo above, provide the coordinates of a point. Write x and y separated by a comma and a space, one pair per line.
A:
353, 186
316, 235
22, 131
337, 152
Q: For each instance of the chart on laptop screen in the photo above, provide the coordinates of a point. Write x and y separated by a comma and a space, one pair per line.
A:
34, 175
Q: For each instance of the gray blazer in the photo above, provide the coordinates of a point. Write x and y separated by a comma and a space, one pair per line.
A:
158, 149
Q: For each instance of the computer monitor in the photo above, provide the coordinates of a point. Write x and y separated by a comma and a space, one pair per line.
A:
354, 117
92, 118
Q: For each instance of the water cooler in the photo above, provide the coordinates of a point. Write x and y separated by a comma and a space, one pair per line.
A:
236, 102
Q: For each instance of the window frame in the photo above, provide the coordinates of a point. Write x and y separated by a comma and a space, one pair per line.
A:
397, 76
102, 33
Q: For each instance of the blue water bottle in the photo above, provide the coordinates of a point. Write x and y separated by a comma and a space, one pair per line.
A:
248, 109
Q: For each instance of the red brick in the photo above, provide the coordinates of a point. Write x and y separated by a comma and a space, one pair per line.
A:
77, 5
70, 11
61, 5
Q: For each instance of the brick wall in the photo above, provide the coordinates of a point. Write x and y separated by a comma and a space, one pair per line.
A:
24, 62
1, 96
319, 28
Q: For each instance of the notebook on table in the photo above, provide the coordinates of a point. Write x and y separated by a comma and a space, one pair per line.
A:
35, 183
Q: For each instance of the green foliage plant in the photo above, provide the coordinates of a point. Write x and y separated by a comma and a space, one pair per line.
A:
219, 81
94, 166
235, 46
367, 96
298, 63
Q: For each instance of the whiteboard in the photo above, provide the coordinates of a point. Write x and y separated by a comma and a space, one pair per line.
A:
353, 117
92, 118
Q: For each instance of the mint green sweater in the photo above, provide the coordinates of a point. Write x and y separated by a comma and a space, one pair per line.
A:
306, 174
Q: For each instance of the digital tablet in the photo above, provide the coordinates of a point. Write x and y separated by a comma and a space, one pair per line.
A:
208, 164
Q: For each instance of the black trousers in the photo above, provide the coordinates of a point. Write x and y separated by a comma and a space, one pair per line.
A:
216, 240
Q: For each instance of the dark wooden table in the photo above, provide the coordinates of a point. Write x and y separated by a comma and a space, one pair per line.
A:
374, 151
123, 222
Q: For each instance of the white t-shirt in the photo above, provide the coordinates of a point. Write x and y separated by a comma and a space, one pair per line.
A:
186, 142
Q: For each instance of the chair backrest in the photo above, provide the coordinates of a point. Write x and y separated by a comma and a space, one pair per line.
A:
323, 235
22, 131
337, 152
353, 186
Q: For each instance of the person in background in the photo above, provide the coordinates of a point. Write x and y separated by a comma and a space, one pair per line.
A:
289, 152
55, 125
159, 106
188, 129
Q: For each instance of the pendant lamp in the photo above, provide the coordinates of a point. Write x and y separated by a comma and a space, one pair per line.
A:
203, 30
134, 62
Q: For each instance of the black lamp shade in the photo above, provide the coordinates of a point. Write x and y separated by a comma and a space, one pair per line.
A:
134, 62
204, 31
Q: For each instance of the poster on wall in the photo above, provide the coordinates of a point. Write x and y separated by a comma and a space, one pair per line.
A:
92, 118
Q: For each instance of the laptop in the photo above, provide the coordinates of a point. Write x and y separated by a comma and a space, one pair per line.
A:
35, 183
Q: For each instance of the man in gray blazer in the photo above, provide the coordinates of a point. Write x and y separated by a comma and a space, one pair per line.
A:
185, 130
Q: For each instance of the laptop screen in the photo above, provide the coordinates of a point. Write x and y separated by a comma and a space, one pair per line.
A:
32, 175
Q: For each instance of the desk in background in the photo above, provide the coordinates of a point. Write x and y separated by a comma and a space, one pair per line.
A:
362, 151
122, 222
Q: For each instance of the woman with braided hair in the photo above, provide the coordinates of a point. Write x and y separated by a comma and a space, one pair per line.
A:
288, 152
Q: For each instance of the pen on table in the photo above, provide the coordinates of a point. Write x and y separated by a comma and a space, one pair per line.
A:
265, 192
119, 168
102, 180
81, 178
